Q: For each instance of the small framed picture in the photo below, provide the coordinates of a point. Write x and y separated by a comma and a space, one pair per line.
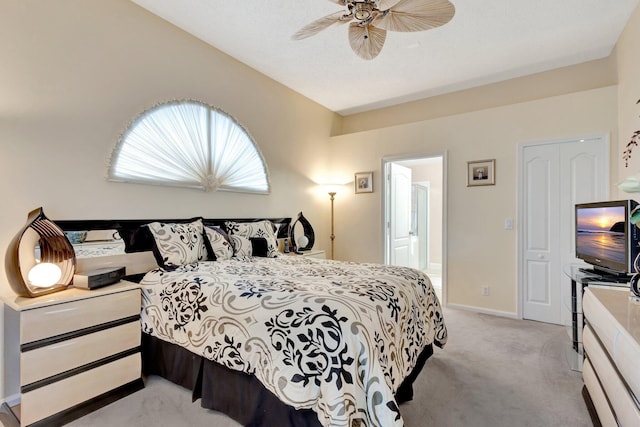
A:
481, 172
364, 182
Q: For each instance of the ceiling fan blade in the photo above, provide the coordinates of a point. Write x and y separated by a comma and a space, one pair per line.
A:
424, 7
320, 24
386, 4
366, 41
416, 15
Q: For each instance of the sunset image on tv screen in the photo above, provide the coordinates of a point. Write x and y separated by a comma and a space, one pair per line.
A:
601, 233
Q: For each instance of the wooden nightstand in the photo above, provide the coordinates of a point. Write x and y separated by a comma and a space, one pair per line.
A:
71, 352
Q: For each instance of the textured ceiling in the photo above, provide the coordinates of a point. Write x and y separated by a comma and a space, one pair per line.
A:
485, 42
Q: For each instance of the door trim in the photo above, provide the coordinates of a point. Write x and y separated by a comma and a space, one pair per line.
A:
385, 215
520, 201
425, 187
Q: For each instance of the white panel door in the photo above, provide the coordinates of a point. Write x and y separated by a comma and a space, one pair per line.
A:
400, 215
555, 177
584, 178
541, 229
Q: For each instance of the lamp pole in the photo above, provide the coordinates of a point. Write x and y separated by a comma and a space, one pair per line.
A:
332, 195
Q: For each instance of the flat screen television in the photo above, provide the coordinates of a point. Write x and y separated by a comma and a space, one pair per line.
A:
605, 238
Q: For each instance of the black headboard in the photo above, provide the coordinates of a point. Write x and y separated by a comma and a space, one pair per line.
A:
137, 237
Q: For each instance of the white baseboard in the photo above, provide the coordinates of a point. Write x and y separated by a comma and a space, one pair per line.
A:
483, 310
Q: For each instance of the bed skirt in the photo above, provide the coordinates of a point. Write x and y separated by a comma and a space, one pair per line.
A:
237, 394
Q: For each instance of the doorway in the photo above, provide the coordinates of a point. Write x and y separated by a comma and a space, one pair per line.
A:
414, 215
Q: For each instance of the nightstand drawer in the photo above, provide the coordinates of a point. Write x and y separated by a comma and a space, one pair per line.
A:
59, 357
53, 398
46, 322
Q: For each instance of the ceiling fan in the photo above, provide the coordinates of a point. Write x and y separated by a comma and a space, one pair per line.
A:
369, 21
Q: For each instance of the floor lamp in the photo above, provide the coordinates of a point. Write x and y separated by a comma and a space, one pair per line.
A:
332, 196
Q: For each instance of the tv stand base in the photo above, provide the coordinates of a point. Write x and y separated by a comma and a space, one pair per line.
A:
605, 276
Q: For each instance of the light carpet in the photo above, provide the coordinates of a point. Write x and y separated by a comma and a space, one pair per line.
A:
493, 372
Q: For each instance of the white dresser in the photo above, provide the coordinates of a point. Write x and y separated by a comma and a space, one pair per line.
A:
611, 369
71, 352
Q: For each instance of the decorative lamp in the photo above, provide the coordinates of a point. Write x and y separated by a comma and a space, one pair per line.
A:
40, 259
332, 187
306, 241
332, 196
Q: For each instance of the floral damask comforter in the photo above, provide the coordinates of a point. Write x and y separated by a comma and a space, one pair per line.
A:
332, 336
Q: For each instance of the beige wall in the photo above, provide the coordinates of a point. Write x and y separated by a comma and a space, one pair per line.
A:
575, 78
480, 251
628, 56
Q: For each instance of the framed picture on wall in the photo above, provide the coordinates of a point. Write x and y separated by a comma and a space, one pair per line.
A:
481, 172
364, 182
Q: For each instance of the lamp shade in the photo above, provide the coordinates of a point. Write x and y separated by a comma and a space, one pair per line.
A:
40, 259
44, 274
303, 241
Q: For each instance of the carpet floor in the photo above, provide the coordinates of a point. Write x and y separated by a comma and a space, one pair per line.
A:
493, 372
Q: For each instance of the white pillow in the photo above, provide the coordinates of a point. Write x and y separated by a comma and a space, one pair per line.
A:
178, 244
261, 229
241, 246
220, 246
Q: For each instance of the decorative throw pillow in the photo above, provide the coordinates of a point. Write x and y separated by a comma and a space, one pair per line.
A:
178, 244
263, 229
259, 246
241, 246
219, 246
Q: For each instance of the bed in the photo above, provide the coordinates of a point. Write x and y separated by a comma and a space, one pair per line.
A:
281, 340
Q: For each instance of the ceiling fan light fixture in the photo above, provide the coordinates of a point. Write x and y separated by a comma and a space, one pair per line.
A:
363, 10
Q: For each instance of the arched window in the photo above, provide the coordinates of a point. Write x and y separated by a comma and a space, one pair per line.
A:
189, 144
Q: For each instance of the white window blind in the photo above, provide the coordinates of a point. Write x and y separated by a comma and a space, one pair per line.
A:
189, 144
